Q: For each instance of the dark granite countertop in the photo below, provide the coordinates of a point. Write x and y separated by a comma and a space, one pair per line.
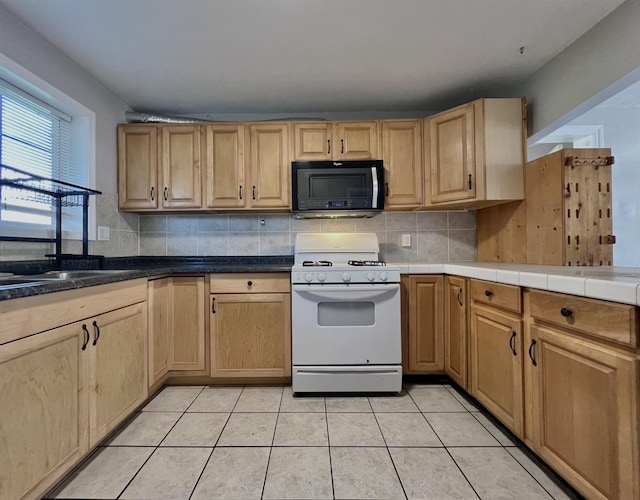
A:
134, 267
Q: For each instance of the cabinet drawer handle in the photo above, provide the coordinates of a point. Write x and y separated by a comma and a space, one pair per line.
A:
567, 313
512, 344
488, 293
96, 328
533, 360
166, 194
153, 193
249, 283
328, 146
460, 297
86, 337
341, 146
240, 192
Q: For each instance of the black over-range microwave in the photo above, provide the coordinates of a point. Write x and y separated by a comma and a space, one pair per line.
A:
351, 188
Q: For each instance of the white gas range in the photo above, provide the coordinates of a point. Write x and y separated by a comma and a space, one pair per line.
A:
345, 315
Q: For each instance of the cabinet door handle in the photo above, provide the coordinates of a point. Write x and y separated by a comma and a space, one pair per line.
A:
460, 297
341, 146
470, 184
240, 192
328, 146
488, 293
166, 193
153, 193
253, 192
86, 337
386, 189
213, 305
567, 313
512, 344
96, 328
533, 360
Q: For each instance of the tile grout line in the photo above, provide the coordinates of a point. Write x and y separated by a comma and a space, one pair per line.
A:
273, 438
443, 445
326, 422
193, 490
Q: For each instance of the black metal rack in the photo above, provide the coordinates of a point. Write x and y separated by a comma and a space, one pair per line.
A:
25, 186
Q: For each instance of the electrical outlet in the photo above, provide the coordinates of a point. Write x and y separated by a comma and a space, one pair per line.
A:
103, 233
406, 240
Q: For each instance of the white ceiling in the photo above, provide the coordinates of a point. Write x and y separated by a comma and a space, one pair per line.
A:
298, 56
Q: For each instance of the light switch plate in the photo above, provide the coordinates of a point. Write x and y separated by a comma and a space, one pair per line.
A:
103, 233
406, 240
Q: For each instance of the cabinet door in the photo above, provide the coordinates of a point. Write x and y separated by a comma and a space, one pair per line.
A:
188, 323
137, 167
118, 367
495, 353
160, 322
426, 346
451, 157
355, 141
224, 179
585, 412
402, 156
181, 176
251, 335
312, 141
44, 411
270, 166
455, 330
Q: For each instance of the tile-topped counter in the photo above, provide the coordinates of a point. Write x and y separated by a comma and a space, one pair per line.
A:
616, 284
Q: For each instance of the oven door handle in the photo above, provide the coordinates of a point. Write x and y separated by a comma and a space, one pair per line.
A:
359, 293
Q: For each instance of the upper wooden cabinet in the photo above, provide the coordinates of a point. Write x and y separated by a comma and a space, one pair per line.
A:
225, 171
159, 167
269, 166
475, 154
336, 140
402, 158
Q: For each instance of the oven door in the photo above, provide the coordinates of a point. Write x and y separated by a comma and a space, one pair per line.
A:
356, 324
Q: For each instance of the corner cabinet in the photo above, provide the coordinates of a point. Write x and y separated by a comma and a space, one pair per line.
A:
455, 329
422, 324
495, 351
582, 392
250, 325
159, 167
475, 154
402, 157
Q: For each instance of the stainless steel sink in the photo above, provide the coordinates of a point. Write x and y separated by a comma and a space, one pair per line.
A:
72, 275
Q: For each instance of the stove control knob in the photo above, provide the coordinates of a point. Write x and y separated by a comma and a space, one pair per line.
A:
371, 276
308, 277
346, 277
322, 277
384, 276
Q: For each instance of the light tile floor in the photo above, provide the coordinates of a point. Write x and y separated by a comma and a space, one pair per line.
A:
261, 442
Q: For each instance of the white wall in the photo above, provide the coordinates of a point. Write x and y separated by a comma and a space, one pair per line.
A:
31, 51
585, 73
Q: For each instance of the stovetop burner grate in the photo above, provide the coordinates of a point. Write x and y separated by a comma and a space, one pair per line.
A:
320, 263
366, 263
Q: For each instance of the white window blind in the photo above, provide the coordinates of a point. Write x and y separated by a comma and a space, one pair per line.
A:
35, 138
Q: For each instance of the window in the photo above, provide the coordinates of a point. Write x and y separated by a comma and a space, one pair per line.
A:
35, 138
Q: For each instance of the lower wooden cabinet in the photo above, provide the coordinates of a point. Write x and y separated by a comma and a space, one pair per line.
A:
495, 350
176, 326
45, 410
455, 329
250, 331
583, 402
423, 323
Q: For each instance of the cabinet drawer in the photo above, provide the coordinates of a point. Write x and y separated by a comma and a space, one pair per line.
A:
251, 283
505, 296
607, 320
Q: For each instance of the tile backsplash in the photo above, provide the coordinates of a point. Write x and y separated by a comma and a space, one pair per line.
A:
435, 236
